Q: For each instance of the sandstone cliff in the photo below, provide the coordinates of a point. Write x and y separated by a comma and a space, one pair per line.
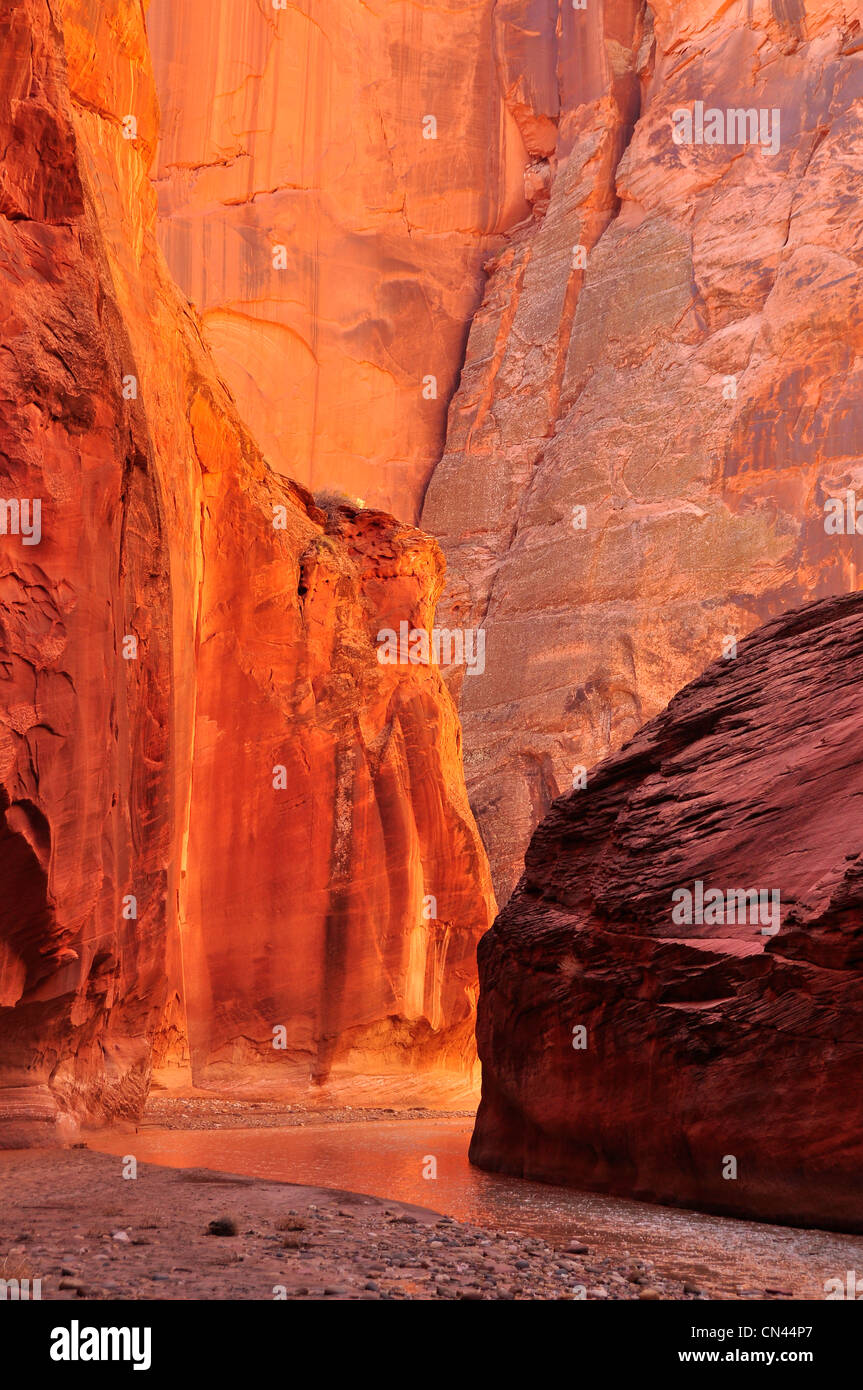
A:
331, 177
662, 386
715, 1061
217, 804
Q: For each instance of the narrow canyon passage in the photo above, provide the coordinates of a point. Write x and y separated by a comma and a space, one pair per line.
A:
431, 635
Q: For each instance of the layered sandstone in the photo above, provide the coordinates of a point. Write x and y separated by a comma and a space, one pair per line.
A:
672, 343
716, 1062
336, 883
331, 177
88, 757
222, 815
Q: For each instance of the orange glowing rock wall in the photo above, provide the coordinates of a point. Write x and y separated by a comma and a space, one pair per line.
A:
331, 176
665, 336
89, 752
662, 386
221, 814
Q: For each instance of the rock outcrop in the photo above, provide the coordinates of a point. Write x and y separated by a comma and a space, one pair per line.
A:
645, 1034
331, 177
230, 835
663, 384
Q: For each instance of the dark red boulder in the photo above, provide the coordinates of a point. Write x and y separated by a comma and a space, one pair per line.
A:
714, 1062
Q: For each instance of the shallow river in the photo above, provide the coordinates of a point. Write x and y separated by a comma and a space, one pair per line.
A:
386, 1158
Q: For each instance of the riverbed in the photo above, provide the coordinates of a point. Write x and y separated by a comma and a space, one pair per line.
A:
424, 1161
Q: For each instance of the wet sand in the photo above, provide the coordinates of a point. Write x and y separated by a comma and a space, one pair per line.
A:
321, 1200
71, 1219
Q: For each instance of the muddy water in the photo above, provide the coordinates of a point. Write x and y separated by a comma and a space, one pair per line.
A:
387, 1158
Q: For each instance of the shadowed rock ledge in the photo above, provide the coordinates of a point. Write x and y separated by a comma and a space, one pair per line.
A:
628, 1052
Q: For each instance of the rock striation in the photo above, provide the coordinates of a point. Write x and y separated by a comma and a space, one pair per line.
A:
331, 177
643, 1030
662, 386
231, 837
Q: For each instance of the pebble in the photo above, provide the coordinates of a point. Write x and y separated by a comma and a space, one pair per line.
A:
381, 1252
222, 1226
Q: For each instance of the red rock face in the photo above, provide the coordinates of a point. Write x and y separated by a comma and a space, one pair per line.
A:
216, 801
336, 883
87, 756
707, 1062
662, 385
373, 145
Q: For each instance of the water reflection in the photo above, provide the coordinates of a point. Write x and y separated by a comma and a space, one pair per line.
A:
386, 1159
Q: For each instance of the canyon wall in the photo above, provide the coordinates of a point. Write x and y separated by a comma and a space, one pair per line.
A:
671, 1003
88, 756
627, 463
232, 838
330, 178
662, 386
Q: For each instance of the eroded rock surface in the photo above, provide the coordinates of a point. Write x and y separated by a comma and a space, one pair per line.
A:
221, 814
673, 344
711, 1063
331, 177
